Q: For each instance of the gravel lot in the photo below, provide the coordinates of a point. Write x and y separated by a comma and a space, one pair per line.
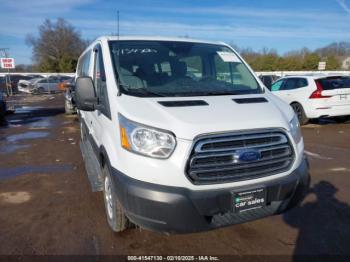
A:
47, 207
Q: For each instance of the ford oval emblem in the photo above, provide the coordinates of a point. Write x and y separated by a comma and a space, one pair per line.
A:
247, 155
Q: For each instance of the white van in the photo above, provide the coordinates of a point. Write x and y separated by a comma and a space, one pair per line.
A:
181, 136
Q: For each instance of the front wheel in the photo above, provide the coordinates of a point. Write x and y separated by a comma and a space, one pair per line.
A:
299, 111
115, 213
38, 91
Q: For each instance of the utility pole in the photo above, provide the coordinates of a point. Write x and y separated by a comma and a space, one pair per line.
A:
118, 24
4, 53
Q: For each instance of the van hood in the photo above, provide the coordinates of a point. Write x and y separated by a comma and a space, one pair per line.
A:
222, 114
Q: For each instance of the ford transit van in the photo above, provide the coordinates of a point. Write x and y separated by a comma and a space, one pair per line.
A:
181, 135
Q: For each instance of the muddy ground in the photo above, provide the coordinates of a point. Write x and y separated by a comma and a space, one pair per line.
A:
47, 207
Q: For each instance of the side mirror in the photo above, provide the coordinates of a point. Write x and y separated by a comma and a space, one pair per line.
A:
85, 95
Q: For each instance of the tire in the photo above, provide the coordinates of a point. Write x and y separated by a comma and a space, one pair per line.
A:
2, 117
116, 217
68, 107
341, 119
38, 91
299, 111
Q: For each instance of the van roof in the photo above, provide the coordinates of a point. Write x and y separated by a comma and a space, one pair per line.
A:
158, 38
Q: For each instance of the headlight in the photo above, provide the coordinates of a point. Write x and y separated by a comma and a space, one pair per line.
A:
145, 140
295, 129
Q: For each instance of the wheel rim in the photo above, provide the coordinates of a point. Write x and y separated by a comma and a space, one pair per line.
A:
108, 197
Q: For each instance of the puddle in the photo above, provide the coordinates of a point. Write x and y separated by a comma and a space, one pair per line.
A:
6, 173
41, 123
29, 107
36, 125
15, 121
26, 109
35, 122
9, 149
27, 135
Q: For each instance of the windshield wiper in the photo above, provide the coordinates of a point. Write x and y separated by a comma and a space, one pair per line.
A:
138, 91
218, 93
153, 93
129, 89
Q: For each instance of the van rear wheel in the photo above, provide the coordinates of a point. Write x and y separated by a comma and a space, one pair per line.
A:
115, 213
299, 111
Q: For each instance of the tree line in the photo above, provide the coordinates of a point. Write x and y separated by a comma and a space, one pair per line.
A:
59, 45
301, 60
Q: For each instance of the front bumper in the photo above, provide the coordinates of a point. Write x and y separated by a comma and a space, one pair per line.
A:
180, 210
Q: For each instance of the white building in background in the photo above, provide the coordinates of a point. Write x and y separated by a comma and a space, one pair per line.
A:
346, 63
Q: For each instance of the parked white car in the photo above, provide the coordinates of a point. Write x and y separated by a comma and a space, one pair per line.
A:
315, 96
181, 136
45, 85
25, 85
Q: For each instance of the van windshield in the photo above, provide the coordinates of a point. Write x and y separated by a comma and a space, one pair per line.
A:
168, 68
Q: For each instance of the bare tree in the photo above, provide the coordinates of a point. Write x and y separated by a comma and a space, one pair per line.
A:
57, 47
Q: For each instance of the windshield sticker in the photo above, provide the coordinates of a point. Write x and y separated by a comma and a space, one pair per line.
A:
130, 51
229, 57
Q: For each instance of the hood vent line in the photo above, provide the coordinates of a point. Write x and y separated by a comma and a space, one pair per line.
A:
251, 100
183, 103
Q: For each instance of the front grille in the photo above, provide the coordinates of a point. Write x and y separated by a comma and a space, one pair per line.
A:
215, 158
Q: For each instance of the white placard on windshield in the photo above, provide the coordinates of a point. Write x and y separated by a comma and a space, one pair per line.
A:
229, 57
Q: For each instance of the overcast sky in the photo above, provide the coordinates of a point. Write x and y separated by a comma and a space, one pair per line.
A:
283, 25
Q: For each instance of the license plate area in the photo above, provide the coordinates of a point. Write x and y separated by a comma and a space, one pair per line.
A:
249, 200
343, 97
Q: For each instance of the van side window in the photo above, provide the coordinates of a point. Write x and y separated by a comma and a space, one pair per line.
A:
100, 81
79, 67
84, 65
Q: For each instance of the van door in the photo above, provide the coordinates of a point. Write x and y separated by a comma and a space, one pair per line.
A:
102, 114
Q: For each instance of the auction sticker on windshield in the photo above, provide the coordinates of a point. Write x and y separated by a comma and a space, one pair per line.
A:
248, 200
229, 57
